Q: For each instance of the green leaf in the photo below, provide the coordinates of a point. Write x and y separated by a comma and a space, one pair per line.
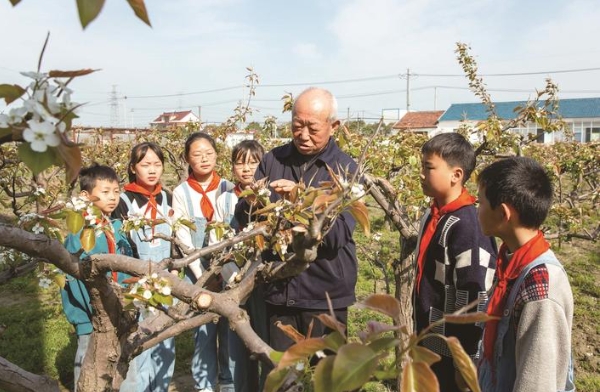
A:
10, 92
334, 341
383, 343
463, 363
89, 10
301, 351
275, 379
383, 303
322, 376
163, 299
60, 280
418, 377
75, 221
412, 160
36, 161
88, 239
353, 366
189, 224
139, 8
5, 132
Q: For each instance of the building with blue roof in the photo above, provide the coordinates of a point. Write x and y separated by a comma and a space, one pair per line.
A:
582, 116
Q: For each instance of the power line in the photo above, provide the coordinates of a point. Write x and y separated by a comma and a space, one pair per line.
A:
512, 74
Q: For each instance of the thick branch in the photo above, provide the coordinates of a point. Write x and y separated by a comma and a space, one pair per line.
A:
15, 379
385, 196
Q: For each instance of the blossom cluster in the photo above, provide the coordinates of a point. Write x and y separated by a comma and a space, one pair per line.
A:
77, 204
43, 110
149, 292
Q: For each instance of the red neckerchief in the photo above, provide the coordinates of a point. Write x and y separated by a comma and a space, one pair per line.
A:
506, 271
465, 199
152, 205
110, 241
238, 189
205, 205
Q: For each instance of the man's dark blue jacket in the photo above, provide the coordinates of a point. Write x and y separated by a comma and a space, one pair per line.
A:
335, 269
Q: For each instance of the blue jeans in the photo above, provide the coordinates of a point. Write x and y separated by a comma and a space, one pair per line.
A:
211, 359
83, 341
155, 367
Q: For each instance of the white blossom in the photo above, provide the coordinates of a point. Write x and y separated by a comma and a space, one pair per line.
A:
76, 204
45, 283
358, 191
39, 191
15, 116
264, 192
34, 75
154, 275
41, 135
28, 217
166, 290
377, 236
37, 229
37, 108
4, 121
147, 294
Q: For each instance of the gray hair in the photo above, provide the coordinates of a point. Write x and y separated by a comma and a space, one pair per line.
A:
333, 104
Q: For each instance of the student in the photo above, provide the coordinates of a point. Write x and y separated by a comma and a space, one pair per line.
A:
197, 199
99, 184
245, 158
455, 261
144, 196
529, 347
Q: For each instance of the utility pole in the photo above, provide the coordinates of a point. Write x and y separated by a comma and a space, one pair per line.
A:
407, 90
348, 116
114, 107
199, 117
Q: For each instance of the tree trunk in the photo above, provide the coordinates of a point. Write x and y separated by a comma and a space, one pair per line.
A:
404, 273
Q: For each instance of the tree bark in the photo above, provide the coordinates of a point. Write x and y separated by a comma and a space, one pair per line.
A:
15, 379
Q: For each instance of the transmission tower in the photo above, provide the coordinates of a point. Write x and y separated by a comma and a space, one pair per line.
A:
114, 107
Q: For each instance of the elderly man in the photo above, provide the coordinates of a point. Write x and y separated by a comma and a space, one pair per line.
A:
297, 300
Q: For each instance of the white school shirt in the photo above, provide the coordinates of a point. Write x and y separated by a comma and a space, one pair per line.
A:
180, 209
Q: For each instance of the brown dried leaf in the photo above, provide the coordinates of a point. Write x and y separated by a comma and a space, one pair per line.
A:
290, 332
468, 318
300, 351
422, 354
418, 377
71, 74
361, 214
463, 363
383, 303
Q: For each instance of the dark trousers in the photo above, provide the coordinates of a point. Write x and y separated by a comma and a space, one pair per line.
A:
445, 373
300, 319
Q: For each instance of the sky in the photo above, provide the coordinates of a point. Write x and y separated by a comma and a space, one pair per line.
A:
194, 57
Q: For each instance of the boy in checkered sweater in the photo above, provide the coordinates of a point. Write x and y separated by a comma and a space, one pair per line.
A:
528, 349
455, 260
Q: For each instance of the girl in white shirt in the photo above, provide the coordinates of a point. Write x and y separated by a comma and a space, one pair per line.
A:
197, 199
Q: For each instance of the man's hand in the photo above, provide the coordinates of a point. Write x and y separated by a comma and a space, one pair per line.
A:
283, 186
